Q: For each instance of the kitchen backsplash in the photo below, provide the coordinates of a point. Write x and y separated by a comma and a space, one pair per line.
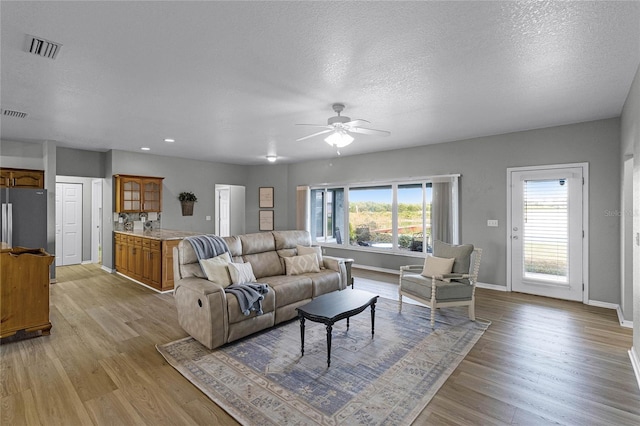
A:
129, 221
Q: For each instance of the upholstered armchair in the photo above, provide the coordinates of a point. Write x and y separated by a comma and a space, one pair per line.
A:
448, 278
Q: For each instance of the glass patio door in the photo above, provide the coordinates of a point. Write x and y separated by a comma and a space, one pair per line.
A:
546, 235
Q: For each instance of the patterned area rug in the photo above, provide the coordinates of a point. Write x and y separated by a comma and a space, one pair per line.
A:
263, 380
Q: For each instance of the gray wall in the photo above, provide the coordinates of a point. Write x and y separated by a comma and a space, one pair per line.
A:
21, 155
276, 176
77, 162
483, 162
630, 141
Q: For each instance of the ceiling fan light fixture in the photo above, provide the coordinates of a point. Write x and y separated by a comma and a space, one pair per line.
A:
339, 139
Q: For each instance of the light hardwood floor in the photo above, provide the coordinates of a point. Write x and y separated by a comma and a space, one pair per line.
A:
542, 361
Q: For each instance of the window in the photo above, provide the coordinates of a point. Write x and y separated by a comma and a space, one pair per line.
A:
327, 215
370, 217
414, 217
390, 217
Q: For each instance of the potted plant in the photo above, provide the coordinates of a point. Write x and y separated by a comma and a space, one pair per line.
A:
186, 200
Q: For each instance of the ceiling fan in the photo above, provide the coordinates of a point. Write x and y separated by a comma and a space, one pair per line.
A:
340, 128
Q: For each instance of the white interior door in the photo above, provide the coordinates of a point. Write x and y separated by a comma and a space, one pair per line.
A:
546, 236
68, 223
223, 216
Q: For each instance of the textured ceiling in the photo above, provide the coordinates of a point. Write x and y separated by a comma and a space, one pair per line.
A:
229, 80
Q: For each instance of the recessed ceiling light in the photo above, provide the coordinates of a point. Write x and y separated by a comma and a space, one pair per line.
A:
145, 148
169, 140
272, 158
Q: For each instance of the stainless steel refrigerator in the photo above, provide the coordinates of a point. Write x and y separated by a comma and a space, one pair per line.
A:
24, 217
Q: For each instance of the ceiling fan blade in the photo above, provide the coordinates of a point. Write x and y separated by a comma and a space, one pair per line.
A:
315, 134
356, 123
316, 125
366, 131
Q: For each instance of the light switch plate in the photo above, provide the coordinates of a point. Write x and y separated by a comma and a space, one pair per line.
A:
208, 218
492, 222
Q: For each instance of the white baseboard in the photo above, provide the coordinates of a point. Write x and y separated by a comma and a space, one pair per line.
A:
86, 262
397, 272
491, 286
635, 362
107, 269
600, 304
623, 322
614, 306
376, 269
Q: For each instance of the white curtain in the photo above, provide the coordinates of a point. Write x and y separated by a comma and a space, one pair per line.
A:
302, 208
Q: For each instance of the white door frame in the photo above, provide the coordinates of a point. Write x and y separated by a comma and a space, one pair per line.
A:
96, 219
585, 219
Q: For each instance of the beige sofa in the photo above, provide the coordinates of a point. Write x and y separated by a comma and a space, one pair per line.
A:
214, 318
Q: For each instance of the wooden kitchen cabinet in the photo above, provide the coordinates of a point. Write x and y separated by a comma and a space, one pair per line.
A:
152, 262
24, 291
121, 252
138, 193
167, 263
146, 260
151, 194
135, 257
21, 178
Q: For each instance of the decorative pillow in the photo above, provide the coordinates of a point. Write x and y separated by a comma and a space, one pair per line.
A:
216, 269
317, 250
241, 273
461, 254
297, 265
437, 266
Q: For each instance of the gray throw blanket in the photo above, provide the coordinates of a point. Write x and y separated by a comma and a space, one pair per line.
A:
249, 295
208, 246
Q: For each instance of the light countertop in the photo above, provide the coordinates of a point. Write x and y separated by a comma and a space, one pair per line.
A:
161, 234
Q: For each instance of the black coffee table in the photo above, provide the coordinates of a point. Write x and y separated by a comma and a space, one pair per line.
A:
332, 307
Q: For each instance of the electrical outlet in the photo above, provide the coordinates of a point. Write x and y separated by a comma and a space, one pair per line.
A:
492, 222
208, 218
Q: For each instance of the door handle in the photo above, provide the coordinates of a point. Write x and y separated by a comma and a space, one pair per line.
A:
515, 237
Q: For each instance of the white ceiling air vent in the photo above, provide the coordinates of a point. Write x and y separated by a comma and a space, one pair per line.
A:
14, 114
41, 47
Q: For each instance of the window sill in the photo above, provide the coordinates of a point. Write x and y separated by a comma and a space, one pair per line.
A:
367, 249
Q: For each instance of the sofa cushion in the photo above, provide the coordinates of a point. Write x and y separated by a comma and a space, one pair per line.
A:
265, 264
289, 288
236, 315
188, 261
290, 239
235, 245
217, 269
297, 265
317, 250
241, 273
324, 281
257, 243
421, 286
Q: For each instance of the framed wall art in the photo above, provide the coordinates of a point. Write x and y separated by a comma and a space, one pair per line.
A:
266, 197
266, 220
